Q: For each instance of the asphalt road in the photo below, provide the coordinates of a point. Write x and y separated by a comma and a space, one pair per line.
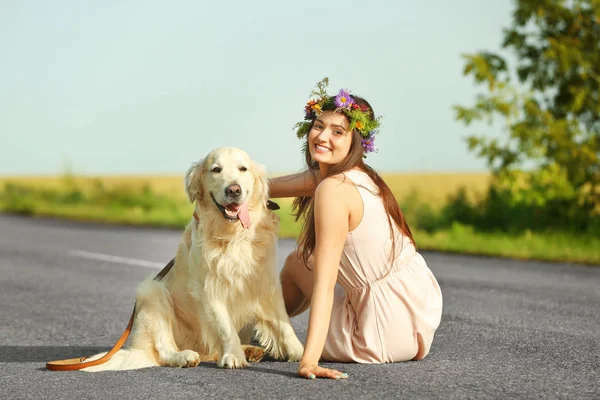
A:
510, 329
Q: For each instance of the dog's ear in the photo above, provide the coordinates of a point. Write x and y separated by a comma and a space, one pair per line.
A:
261, 184
193, 183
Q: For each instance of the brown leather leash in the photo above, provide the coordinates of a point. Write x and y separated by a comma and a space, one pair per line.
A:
75, 364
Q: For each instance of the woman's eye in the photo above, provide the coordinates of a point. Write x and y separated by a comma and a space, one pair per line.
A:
243, 169
318, 126
216, 170
338, 132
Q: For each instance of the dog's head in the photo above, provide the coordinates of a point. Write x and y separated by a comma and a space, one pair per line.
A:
228, 182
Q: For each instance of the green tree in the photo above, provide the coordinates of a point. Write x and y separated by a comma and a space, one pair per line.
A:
548, 155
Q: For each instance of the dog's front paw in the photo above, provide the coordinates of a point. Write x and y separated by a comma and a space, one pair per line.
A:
230, 360
294, 349
185, 359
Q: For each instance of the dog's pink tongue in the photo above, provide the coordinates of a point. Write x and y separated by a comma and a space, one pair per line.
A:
243, 216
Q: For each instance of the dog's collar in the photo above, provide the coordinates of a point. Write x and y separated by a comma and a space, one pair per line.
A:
271, 205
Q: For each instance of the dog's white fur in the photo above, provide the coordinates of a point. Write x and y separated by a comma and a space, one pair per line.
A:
224, 279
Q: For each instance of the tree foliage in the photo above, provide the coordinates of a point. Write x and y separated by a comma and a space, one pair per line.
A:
549, 152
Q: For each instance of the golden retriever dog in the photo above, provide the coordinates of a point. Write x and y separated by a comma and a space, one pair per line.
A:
224, 278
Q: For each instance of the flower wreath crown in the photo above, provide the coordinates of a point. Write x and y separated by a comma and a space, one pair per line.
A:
358, 115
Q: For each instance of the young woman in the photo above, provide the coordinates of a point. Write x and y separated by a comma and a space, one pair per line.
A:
387, 304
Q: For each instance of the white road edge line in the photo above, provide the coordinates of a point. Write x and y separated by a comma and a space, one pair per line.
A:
114, 259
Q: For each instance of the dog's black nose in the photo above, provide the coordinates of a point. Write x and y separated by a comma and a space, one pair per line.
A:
233, 191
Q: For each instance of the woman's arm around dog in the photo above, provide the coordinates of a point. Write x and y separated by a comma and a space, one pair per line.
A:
295, 185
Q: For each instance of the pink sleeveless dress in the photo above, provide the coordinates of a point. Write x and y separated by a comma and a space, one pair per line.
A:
383, 311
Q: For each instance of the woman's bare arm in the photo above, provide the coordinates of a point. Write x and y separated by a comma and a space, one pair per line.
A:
295, 185
332, 213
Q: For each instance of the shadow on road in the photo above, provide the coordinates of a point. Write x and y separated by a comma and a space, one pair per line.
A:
46, 353
255, 368
20, 354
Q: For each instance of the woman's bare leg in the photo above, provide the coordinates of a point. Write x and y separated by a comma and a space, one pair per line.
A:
296, 284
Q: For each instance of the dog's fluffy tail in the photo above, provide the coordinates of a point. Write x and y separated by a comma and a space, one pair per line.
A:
123, 359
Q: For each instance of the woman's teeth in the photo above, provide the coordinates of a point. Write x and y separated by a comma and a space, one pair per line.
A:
322, 148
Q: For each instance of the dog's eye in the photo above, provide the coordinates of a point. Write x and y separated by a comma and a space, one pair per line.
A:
216, 170
243, 169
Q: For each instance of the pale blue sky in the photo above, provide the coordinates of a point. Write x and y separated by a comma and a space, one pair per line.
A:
150, 86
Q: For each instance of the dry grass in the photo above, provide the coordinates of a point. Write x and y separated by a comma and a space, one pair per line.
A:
431, 188
435, 188
170, 185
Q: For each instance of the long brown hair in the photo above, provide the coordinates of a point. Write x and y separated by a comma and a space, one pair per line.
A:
304, 206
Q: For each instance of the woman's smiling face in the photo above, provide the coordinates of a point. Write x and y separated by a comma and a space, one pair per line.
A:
329, 139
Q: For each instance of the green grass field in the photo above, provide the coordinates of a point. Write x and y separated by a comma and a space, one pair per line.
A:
161, 201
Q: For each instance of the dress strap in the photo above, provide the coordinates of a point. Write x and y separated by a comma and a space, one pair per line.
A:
362, 180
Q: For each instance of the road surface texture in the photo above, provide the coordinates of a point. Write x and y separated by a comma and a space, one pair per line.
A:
510, 329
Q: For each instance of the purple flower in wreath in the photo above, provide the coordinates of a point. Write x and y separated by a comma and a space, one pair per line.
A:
343, 99
368, 142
